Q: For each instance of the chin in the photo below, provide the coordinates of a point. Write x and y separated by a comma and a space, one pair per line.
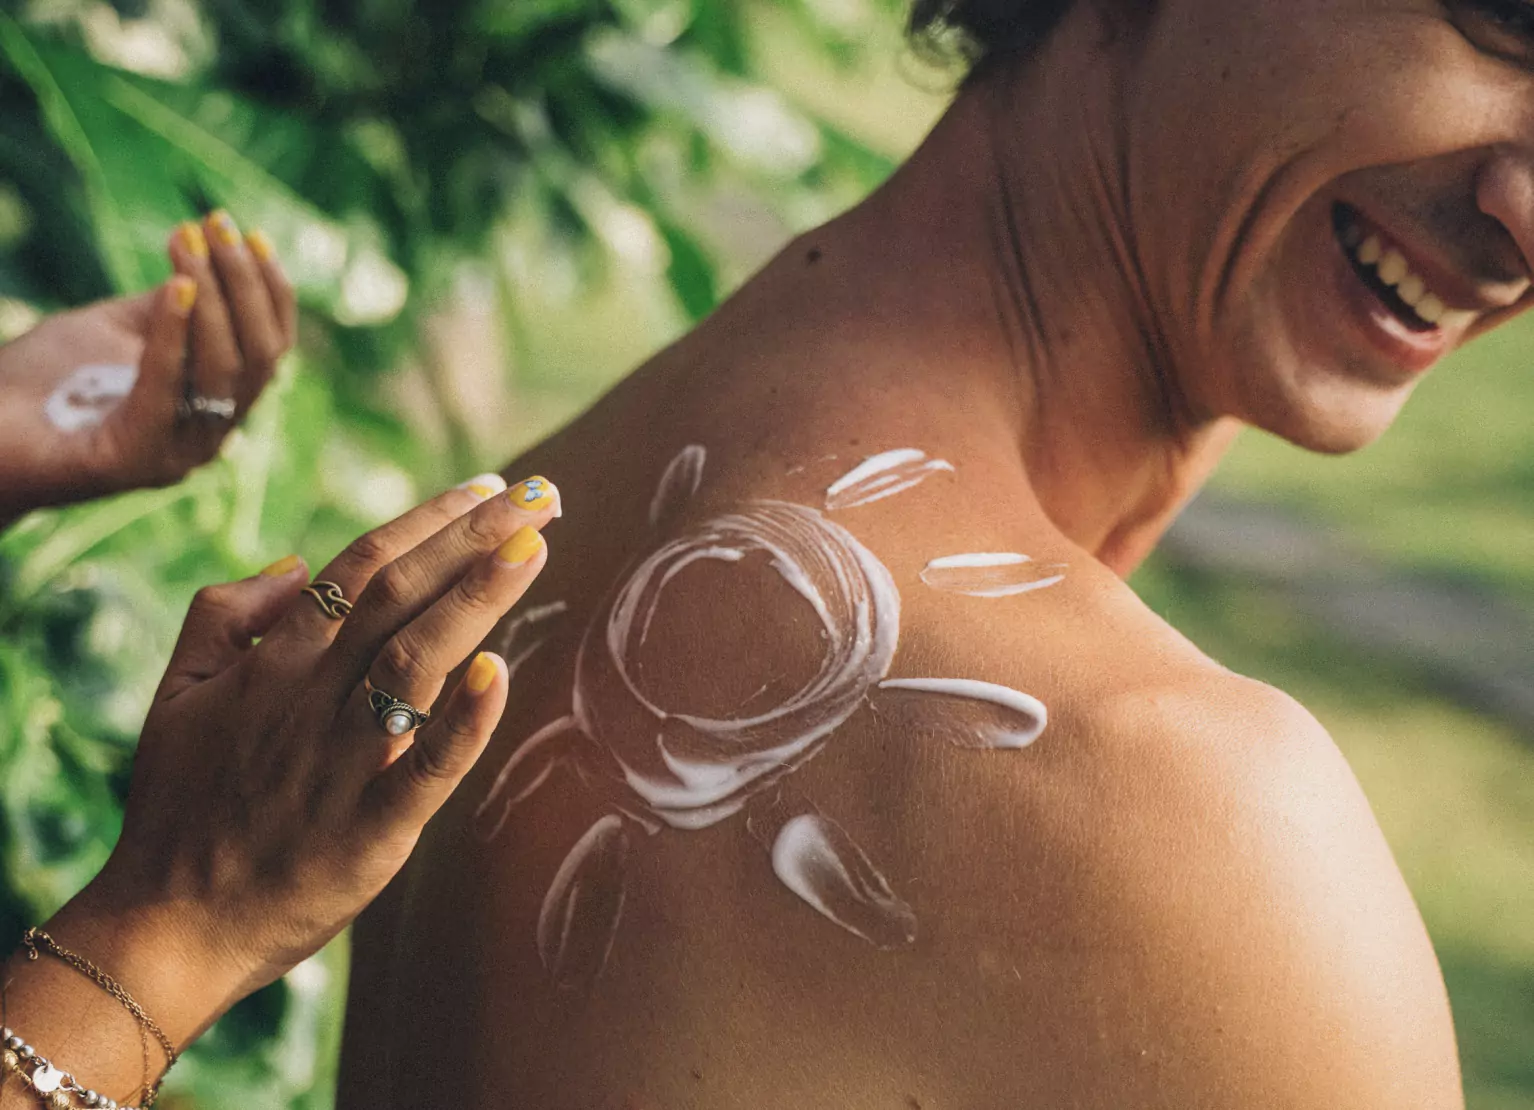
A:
1329, 415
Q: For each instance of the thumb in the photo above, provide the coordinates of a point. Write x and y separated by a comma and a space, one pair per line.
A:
224, 619
134, 312
152, 404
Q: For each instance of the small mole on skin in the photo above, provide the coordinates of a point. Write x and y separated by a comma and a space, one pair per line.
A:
696, 1074
913, 1102
813, 256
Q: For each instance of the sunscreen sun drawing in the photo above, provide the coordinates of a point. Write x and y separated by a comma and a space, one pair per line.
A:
658, 768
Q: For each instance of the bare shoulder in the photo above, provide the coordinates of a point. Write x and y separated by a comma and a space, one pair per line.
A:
1223, 922
1274, 937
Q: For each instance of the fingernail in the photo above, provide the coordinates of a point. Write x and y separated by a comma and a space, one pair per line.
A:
183, 294
260, 245
481, 674
285, 565
192, 238
484, 486
223, 227
523, 545
534, 495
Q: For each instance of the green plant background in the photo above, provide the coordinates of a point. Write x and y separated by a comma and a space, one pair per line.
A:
491, 210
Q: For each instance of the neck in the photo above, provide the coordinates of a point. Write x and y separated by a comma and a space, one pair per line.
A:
1004, 241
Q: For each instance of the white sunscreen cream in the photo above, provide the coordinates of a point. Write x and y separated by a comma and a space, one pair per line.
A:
519, 643
683, 476
87, 397
584, 903
991, 574
657, 766
883, 475
815, 858
693, 771
964, 711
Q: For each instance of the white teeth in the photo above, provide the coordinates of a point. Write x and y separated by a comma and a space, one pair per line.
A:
1393, 270
1430, 308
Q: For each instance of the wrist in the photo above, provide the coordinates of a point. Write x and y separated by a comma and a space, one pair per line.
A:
163, 954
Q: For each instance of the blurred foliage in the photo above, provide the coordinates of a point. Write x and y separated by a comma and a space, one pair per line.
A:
388, 148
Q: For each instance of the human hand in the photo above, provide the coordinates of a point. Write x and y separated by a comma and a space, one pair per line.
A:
92, 400
268, 806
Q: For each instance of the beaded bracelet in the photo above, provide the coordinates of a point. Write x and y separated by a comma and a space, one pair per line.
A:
56, 1088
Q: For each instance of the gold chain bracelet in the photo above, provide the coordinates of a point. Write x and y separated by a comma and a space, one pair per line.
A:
35, 939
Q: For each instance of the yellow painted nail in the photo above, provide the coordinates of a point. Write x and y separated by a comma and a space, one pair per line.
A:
533, 494
224, 227
194, 240
481, 674
183, 294
285, 565
523, 545
260, 245
484, 486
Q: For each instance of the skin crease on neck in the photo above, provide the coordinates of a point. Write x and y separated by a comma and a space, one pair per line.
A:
1097, 268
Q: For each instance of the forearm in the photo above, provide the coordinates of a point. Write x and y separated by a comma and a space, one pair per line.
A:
81, 1028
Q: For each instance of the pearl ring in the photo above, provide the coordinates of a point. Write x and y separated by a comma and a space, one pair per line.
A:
395, 717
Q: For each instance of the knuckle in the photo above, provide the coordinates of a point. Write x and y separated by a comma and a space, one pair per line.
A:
486, 530
225, 366
370, 550
433, 762
406, 660
213, 602
269, 351
476, 593
392, 587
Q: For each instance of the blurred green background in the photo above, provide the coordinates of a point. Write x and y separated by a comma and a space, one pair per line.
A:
491, 210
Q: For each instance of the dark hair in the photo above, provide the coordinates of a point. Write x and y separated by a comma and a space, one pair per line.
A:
979, 30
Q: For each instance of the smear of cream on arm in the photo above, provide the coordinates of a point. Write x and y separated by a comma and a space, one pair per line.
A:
883, 475
991, 574
88, 396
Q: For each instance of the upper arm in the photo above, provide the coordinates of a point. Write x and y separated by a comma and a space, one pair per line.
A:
1279, 957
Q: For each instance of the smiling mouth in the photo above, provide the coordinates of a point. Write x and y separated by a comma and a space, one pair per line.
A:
1385, 272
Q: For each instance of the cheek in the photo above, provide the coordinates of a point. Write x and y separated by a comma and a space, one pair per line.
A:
1230, 142
1336, 91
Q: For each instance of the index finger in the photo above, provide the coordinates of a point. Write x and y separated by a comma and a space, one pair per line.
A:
278, 286
309, 623
411, 584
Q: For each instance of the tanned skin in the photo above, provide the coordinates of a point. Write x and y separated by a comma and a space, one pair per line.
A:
1102, 263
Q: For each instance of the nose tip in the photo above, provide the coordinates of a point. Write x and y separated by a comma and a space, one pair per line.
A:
1505, 192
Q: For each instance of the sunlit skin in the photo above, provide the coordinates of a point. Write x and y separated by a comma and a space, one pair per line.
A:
1098, 267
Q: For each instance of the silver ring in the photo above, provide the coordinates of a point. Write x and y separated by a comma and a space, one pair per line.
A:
213, 408
394, 716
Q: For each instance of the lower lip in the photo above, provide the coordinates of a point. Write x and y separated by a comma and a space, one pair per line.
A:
1414, 352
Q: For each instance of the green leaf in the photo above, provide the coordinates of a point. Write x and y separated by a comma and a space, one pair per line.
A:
113, 231
690, 273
